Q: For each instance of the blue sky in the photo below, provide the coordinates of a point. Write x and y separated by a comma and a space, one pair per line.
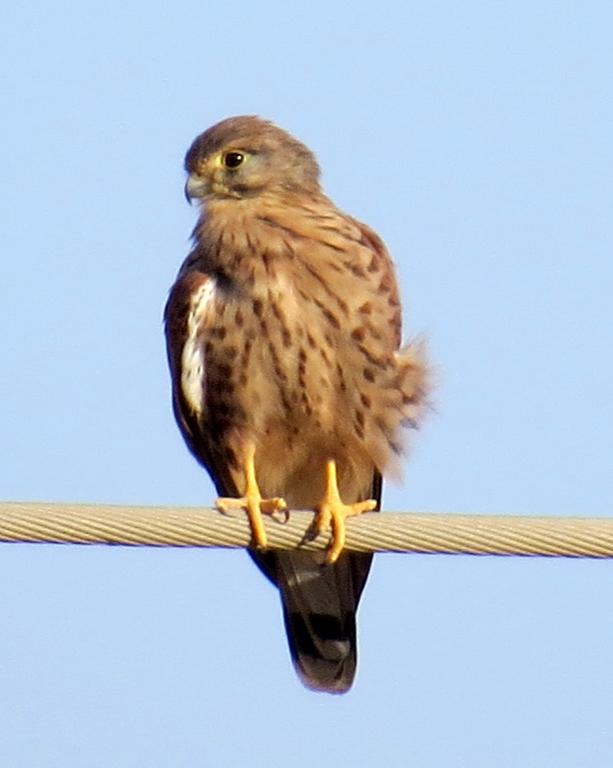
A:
476, 139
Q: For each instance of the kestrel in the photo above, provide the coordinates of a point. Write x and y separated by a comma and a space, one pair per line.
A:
289, 383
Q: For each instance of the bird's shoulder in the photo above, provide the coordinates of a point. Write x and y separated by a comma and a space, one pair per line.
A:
189, 304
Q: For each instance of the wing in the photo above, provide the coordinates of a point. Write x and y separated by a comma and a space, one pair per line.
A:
188, 318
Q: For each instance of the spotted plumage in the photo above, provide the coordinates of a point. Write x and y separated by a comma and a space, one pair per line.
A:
283, 332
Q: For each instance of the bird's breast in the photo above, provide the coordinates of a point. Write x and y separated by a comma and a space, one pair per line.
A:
268, 357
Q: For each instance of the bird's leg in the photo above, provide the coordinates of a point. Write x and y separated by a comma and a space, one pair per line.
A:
333, 512
252, 502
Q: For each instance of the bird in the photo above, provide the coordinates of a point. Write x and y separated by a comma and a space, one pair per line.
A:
289, 382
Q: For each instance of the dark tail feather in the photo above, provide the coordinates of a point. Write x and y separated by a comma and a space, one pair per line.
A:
319, 605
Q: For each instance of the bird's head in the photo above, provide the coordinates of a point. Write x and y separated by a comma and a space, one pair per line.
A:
245, 156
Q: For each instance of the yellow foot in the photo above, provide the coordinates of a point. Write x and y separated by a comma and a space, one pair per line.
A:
255, 506
252, 502
332, 512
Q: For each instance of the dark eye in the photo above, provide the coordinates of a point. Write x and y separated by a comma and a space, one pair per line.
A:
233, 159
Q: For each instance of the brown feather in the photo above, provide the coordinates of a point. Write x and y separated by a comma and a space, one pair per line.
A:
284, 329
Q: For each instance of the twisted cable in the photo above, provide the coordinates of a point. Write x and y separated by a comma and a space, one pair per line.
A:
371, 532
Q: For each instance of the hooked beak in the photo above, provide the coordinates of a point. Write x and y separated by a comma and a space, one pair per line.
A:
195, 186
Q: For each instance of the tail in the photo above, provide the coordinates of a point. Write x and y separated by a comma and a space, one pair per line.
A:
319, 607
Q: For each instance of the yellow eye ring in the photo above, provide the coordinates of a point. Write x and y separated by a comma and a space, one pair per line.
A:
233, 159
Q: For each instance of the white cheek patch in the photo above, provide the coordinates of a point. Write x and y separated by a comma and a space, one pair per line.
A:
192, 357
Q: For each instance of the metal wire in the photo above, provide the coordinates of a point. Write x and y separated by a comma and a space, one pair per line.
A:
371, 532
